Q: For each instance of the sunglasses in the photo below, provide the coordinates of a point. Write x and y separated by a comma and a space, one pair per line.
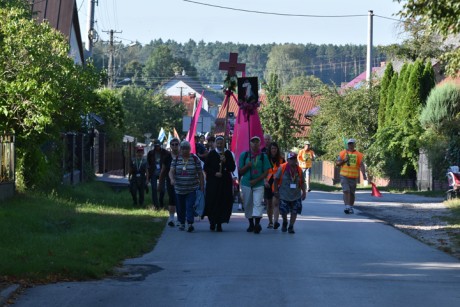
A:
175, 144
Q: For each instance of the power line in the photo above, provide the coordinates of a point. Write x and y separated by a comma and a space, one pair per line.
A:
273, 13
389, 18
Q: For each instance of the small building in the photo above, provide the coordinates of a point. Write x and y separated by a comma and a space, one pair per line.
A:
182, 85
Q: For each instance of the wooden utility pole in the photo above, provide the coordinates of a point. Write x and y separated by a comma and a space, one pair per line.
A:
111, 66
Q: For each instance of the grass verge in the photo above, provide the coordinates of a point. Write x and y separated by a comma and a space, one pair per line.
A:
454, 220
74, 233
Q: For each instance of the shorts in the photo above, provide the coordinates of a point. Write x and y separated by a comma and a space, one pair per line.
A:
293, 207
348, 184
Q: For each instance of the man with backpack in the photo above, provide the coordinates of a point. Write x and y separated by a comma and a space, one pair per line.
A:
290, 189
253, 168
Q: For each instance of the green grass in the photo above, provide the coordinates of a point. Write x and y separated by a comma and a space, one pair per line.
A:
454, 220
79, 232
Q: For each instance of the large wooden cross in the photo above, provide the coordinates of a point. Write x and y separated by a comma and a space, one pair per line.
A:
232, 66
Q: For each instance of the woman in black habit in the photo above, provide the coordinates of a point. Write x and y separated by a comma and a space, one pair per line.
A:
218, 167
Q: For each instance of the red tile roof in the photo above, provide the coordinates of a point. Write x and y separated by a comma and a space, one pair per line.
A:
302, 104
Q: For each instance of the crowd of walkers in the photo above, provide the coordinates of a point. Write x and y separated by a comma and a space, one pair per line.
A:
266, 180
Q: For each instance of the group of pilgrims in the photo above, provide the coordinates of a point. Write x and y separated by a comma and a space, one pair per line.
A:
263, 179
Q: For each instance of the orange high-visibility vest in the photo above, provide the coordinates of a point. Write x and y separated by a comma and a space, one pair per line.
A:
283, 168
355, 159
305, 158
272, 171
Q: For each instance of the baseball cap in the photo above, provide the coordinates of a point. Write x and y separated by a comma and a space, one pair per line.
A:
255, 137
351, 141
307, 143
291, 155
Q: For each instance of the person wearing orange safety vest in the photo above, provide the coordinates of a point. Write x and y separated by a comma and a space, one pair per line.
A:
305, 158
350, 162
271, 203
289, 188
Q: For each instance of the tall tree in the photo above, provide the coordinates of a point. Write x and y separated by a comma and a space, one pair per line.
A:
442, 17
287, 61
42, 91
352, 113
277, 115
384, 85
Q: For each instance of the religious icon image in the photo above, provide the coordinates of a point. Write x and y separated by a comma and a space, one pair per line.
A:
248, 89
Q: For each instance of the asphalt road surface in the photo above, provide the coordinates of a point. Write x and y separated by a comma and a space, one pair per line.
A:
333, 259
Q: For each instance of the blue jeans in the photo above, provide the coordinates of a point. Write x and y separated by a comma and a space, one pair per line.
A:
184, 207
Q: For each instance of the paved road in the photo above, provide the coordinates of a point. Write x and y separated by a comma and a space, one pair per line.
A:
333, 260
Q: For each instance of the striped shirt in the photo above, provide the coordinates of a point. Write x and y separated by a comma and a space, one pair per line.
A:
186, 174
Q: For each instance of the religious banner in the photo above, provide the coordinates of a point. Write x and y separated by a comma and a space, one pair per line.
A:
248, 94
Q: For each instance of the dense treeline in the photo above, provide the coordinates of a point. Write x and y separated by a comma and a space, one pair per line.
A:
330, 63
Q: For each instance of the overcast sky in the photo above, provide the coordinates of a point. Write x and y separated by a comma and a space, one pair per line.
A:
146, 20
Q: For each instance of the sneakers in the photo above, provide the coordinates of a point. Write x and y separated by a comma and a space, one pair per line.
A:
348, 210
182, 227
276, 225
291, 229
270, 226
190, 228
257, 228
171, 223
284, 227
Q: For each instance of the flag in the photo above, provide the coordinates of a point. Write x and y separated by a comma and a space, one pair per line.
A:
161, 135
169, 140
191, 132
176, 135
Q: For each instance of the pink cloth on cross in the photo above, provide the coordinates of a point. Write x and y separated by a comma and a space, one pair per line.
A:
241, 137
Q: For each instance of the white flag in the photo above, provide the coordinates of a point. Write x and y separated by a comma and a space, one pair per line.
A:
161, 135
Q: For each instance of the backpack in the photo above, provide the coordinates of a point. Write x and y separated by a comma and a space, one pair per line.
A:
246, 154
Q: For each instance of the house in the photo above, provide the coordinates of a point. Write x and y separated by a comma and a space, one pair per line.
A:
190, 102
360, 80
182, 85
63, 16
304, 105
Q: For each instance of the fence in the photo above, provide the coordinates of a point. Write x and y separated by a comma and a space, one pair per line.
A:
7, 166
326, 172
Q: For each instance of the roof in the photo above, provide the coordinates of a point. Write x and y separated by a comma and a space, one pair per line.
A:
302, 104
61, 15
358, 81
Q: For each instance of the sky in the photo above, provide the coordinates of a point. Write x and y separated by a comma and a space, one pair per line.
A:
179, 20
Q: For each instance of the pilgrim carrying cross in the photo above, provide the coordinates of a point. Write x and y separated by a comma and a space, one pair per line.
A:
232, 66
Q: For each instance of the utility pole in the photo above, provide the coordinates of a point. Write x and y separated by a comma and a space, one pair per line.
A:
369, 49
111, 67
181, 88
92, 34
